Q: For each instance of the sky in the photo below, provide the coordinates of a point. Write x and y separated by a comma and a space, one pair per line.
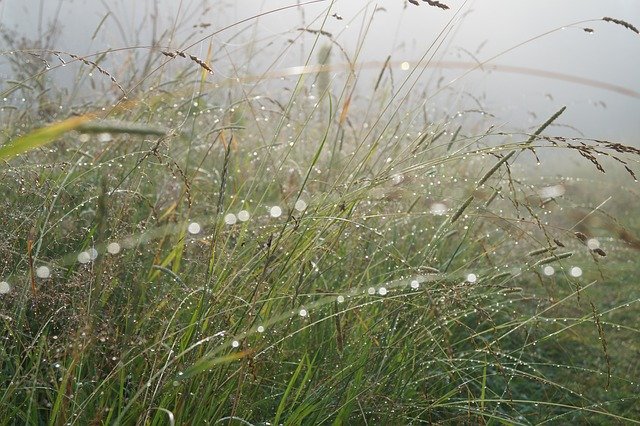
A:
587, 72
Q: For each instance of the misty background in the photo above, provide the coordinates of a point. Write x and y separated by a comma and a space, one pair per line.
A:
594, 74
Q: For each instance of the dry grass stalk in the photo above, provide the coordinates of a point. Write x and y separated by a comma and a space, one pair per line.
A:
546, 124
94, 65
462, 208
431, 3
494, 168
194, 58
603, 340
436, 4
621, 22
541, 251
321, 32
553, 258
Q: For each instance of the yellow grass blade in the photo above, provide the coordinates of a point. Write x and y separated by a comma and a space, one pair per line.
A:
41, 137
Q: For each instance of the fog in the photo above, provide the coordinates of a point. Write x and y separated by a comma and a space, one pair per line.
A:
594, 74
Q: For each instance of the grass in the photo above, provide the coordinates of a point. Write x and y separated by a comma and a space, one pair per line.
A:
208, 252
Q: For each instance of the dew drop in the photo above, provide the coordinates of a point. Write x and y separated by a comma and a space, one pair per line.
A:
43, 272
4, 287
243, 215
576, 271
113, 248
84, 257
300, 205
303, 312
548, 270
230, 219
593, 244
194, 228
275, 211
93, 253
438, 209
104, 137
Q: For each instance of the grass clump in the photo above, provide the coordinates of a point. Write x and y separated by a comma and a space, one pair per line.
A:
207, 252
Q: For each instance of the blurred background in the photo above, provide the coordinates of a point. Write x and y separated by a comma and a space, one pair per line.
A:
594, 74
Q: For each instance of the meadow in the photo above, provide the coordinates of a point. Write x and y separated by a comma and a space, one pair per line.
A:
197, 248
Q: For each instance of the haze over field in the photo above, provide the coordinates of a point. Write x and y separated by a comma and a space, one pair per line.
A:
517, 91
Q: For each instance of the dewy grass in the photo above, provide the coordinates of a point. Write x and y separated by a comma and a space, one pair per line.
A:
213, 252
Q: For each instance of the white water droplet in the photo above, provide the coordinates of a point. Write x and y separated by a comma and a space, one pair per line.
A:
340, 299
194, 228
243, 215
303, 312
576, 271
84, 257
235, 343
113, 248
371, 290
405, 66
548, 270
300, 205
438, 209
104, 137
260, 329
415, 284
230, 219
93, 253
275, 211
593, 244
472, 278
4, 287
382, 291
43, 272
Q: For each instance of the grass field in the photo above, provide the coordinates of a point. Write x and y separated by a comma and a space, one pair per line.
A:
203, 251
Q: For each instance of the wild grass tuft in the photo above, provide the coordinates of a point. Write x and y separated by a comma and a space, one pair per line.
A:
213, 251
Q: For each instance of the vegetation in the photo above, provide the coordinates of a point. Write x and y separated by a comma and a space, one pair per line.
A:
197, 250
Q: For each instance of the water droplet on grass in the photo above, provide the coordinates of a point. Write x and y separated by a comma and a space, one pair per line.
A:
260, 329
230, 219
340, 299
194, 228
84, 257
43, 272
303, 312
275, 211
300, 205
243, 215
4, 287
382, 291
438, 209
93, 253
415, 284
548, 270
472, 278
235, 343
104, 137
113, 248
593, 244
576, 271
